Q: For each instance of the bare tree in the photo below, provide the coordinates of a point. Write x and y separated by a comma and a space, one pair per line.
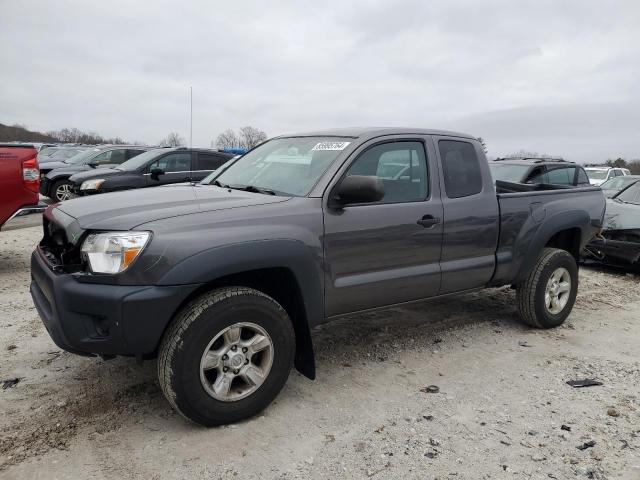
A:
173, 140
528, 154
247, 137
484, 145
251, 136
228, 139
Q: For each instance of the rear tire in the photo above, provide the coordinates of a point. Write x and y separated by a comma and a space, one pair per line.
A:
545, 298
208, 367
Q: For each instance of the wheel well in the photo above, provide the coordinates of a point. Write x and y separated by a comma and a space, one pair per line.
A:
281, 285
568, 240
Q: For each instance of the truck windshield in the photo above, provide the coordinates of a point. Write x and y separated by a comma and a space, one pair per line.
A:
508, 172
286, 166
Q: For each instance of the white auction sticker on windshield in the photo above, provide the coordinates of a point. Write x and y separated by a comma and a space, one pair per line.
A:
330, 146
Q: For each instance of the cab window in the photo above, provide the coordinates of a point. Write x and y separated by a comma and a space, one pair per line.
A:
461, 167
402, 167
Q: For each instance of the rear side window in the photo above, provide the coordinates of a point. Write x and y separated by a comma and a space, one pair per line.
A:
174, 162
562, 176
583, 178
461, 168
208, 161
133, 153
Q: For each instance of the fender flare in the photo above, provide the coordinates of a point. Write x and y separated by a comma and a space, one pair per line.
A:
302, 261
550, 227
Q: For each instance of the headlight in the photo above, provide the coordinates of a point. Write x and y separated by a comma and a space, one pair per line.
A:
92, 184
113, 252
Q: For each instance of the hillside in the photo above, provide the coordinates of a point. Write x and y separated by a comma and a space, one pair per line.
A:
21, 134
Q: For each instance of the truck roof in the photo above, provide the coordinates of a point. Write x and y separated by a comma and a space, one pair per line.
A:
371, 132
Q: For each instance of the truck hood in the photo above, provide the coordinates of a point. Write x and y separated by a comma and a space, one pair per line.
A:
131, 208
621, 216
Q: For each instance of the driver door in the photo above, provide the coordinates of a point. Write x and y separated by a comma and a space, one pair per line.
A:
385, 252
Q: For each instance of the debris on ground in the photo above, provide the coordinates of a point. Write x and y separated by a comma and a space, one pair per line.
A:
585, 445
612, 412
11, 382
430, 389
13, 346
586, 382
524, 344
566, 428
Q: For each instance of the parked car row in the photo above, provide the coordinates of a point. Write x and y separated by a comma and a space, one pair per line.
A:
119, 167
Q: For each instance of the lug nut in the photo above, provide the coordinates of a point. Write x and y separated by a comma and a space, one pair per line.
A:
234, 348
246, 361
225, 357
236, 371
244, 349
225, 369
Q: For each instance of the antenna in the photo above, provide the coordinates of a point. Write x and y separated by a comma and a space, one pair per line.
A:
191, 123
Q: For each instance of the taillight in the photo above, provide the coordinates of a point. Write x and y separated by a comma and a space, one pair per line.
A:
31, 174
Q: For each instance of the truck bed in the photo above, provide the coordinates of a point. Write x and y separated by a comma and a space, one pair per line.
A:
527, 219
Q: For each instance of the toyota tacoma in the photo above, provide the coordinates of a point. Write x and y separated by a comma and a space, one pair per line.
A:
223, 281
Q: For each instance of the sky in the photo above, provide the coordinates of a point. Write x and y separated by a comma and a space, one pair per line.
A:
546, 76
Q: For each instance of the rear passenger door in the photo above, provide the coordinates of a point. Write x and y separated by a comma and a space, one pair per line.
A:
385, 252
175, 167
471, 217
206, 163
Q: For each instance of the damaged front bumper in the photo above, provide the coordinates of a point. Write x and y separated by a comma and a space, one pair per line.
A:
620, 247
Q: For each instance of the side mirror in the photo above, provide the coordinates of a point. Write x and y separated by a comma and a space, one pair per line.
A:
156, 172
93, 164
359, 189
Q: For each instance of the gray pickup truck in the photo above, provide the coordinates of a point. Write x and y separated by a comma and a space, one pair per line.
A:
224, 280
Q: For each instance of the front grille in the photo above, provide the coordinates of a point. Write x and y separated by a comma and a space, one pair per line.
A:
60, 254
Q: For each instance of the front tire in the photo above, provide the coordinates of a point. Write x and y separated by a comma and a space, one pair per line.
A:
226, 356
61, 190
545, 298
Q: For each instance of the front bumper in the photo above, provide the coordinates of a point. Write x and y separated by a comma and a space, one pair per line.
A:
99, 319
614, 251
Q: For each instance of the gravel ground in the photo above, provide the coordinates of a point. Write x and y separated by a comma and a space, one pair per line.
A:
503, 409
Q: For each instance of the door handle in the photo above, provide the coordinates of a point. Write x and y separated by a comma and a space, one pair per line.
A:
428, 221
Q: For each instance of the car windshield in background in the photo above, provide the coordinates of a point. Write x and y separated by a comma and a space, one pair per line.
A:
618, 183
46, 151
597, 174
83, 157
286, 166
630, 195
508, 172
140, 160
66, 153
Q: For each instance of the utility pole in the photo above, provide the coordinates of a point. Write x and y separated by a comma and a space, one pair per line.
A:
191, 122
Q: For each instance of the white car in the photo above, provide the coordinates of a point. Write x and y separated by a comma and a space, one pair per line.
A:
599, 175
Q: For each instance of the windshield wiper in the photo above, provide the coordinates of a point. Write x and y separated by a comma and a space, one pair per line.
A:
253, 189
218, 184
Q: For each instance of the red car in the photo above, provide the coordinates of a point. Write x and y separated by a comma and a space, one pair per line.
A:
19, 185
